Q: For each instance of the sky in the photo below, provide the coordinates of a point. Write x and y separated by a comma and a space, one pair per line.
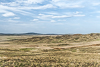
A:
50, 16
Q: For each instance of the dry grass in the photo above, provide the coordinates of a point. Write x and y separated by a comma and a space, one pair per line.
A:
30, 54
61, 38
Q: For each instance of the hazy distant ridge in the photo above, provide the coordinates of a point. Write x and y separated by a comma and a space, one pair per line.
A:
26, 34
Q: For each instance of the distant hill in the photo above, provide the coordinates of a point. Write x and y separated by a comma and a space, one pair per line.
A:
20, 34
31, 33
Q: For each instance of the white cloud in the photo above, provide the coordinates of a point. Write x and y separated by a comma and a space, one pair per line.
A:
52, 13
4, 9
96, 4
8, 14
21, 9
98, 16
38, 7
10, 20
67, 3
64, 5
29, 1
46, 6
34, 1
61, 20
25, 4
53, 21
48, 17
55, 0
97, 12
10, 4
77, 12
42, 16
35, 19
78, 15
16, 18
45, 17
63, 16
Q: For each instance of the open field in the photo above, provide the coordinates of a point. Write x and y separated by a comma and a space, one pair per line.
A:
50, 51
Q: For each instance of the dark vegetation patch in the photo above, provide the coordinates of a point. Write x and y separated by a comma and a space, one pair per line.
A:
4, 43
6, 49
27, 49
95, 45
63, 44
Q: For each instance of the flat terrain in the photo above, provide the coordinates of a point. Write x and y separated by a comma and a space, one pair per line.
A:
50, 51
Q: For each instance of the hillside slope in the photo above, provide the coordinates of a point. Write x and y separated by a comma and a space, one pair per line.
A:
62, 38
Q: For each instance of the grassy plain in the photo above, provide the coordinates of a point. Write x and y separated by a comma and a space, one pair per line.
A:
50, 51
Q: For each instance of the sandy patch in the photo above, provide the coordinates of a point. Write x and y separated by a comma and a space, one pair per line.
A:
43, 47
4, 45
26, 47
3, 57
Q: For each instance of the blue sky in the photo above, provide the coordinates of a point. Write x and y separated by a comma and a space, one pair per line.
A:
50, 16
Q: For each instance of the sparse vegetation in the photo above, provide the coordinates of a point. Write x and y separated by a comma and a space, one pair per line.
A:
61, 39
26, 49
63, 44
50, 51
